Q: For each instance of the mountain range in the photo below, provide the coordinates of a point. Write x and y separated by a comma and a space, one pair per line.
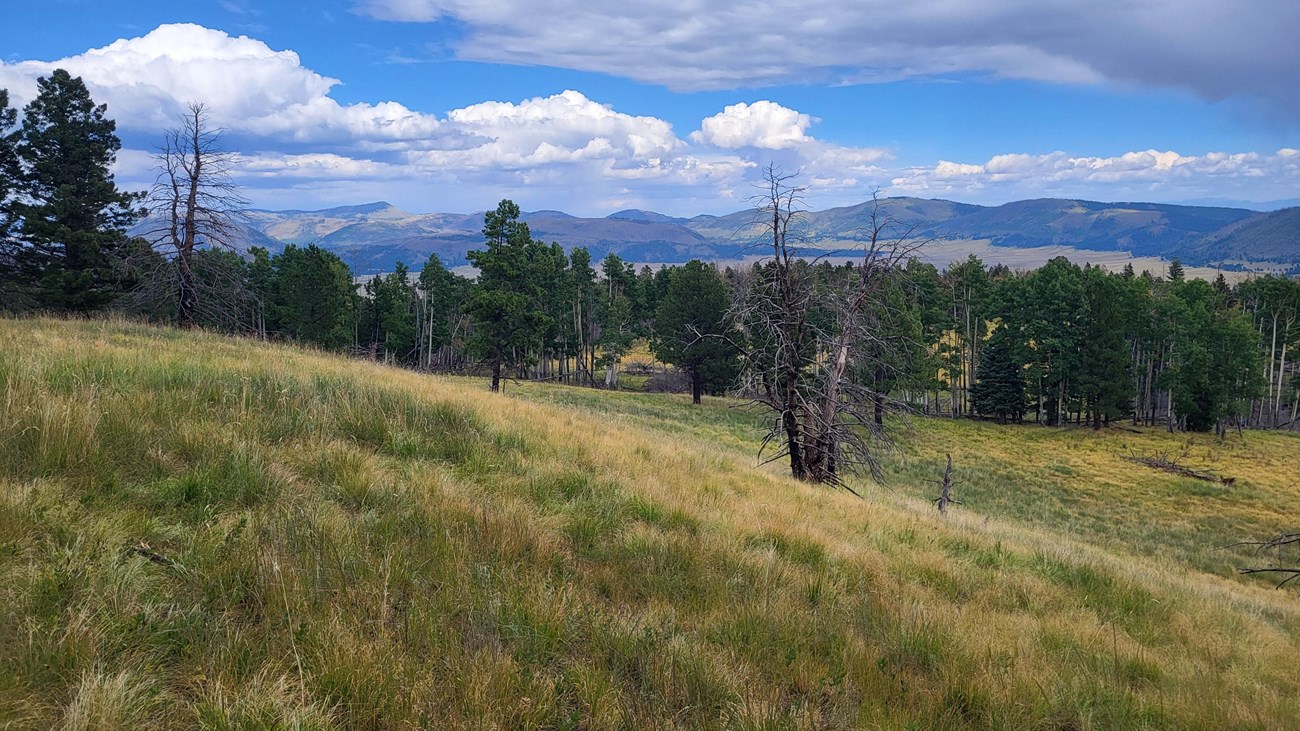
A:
373, 237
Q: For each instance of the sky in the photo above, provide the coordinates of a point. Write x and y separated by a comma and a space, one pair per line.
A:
677, 106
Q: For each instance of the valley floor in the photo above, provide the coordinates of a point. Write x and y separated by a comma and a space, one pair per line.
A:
202, 532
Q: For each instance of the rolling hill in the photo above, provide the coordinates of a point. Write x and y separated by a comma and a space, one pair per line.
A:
213, 533
372, 237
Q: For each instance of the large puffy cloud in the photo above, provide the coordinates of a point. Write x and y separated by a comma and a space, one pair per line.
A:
146, 82
1212, 48
765, 132
763, 124
566, 127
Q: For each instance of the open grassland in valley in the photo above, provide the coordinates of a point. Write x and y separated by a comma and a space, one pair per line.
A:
201, 532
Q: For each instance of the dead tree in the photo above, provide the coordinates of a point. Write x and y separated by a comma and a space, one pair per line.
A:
806, 338
1166, 461
945, 489
194, 202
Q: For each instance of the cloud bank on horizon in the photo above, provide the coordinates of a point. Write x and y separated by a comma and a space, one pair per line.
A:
300, 147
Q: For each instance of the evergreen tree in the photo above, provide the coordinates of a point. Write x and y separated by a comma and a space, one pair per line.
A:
1216, 367
616, 311
970, 288
690, 327
1221, 285
314, 297
444, 298
505, 305
1175, 270
999, 388
932, 302
1104, 380
9, 170
261, 279
1049, 308
8, 187
889, 360
388, 315
72, 216
558, 337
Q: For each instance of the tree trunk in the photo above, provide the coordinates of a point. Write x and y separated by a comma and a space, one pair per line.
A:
187, 299
496, 376
697, 385
792, 440
1281, 371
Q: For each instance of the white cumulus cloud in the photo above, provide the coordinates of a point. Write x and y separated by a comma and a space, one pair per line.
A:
146, 81
763, 124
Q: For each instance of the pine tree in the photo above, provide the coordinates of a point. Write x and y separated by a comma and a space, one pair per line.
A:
388, 315
72, 216
505, 306
8, 163
8, 186
1049, 308
443, 299
582, 288
999, 388
315, 299
691, 329
1175, 270
616, 311
1217, 367
1104, 379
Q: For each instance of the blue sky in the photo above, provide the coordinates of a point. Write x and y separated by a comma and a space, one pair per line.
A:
676, 105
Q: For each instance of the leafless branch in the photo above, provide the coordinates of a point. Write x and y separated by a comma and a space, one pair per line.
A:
810, 338
194, 202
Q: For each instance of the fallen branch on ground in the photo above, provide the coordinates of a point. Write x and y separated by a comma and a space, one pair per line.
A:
1164, 462
142, 549
1276, 544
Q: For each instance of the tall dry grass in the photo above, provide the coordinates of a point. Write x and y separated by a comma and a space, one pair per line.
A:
199, 532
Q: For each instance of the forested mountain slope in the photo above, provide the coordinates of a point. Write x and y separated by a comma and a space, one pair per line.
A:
204, 532
374, 236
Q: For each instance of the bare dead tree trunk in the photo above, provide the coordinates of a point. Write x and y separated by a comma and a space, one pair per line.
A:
199, 205
945, 489
826, 421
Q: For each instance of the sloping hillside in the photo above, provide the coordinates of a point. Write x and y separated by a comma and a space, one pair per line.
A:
199, 532
1141, 228
1272, 236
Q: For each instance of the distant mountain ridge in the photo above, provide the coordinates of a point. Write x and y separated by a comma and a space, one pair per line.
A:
372, 237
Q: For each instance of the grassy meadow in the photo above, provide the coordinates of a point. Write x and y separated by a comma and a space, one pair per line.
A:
202, 532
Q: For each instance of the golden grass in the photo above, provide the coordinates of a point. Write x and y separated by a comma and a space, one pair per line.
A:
343, 545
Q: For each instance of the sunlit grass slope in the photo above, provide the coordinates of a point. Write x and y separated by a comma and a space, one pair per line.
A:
198, 532
1069, 480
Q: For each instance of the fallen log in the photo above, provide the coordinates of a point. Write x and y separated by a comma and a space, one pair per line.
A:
1172, 467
